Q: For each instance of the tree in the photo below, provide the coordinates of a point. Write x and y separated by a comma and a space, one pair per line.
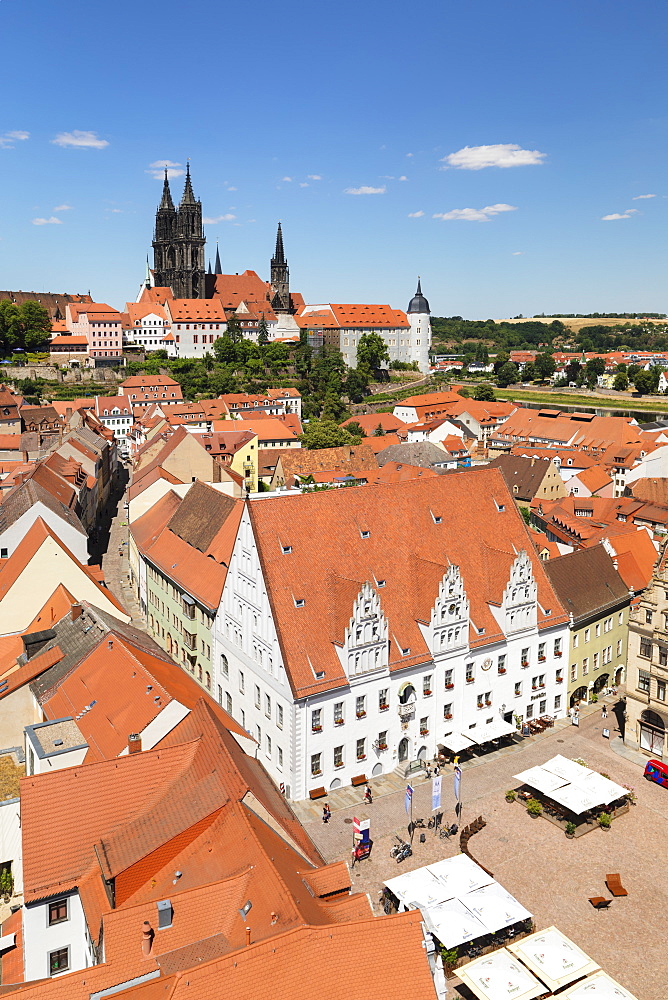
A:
35, 326
573, 369
234, 331
642, 381
372, 350
333, 407
484, 391
595, 366
327, 434
225, 350
262, 332
632, 371
621, 382
356, 385
464, 391
379, 432
506, 375
529, 372
354, 428
545, 365
501, 359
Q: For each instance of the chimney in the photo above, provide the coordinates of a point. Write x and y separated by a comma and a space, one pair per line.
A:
134, 743
110, 644
533, 462
75, 612
248, 936
147, 939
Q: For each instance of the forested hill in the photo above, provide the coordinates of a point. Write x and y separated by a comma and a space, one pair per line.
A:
463, 335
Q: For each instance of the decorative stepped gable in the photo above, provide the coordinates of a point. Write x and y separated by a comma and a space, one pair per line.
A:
450, 615
366, 637
520, 597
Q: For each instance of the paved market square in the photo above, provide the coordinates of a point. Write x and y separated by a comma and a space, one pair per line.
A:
551, 876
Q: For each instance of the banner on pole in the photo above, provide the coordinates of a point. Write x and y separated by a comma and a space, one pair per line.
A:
458, 782
436, 792
409, 799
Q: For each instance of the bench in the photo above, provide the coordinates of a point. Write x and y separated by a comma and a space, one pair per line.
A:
359, 779
317, 793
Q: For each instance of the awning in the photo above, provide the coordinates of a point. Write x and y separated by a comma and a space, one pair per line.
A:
457, 742
419, 888
494, 730
552, 956
573, 786
566, 768
499, 976
600, 986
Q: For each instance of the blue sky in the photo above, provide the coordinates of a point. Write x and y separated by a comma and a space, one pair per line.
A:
490, 141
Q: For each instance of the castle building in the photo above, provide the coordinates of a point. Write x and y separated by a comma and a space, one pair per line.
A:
178, 243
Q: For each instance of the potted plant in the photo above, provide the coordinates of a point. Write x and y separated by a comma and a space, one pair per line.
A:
630, 795
534, 808
316, 729
570, 829
604, 820
511, 795
593, 698
424, 732
560, 680
427, 692
361, 715
557, 652
338, 722
382, 746
449, 957
448, 715
502, 670
487, 701
449, 687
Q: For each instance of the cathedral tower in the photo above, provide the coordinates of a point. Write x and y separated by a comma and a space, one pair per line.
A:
280, 278
178, 243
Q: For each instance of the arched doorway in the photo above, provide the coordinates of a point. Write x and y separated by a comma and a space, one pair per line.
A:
335, 783
580, 694
422, 753
619, 676
652, 733
377, 769
601, 682
403, 749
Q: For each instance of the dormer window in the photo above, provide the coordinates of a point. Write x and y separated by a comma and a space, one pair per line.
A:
380, 583
500, 507
286, 549
364, 533
299, 602
436, 518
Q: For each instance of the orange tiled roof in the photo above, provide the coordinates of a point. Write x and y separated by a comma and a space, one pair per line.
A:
369, 422
330, 561
196, 310
594, 478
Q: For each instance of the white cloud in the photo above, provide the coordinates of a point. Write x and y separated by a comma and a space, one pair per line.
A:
158, 167
474, 214
366, 190
79, 140
212, 221
63, 208
619, 215
304, 184
507, 154
8, 139
518, 253
314, 177
415, 215
231, 189
53, 221
403, 178
287, 180
641, 197
409, 154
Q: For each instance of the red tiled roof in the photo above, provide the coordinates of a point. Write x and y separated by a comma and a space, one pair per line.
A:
330, 561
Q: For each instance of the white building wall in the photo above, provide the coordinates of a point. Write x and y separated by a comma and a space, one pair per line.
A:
40, 939
75, 541
420, 340
10, 840
244, 625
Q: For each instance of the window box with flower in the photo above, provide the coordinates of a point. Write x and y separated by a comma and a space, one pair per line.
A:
448, 715
541, 657
427, 693
560, 680
502, 670
361, 715
384, 707
382, 746
488, 701
316, 728
314, 774
340, 764
469, 680
424, 732
449, 687
557, 652
338, 722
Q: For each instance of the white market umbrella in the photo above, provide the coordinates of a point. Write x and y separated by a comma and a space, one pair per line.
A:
566, 768
600, 986
453, 923
499, 976
418, 888
459, 876
554, 957
495, 907
575, 798
539, 778
456, 742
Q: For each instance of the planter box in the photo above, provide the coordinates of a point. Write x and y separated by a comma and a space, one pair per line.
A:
448, 716
361, 715
560, 680
559, 653
338, 722
449, 687
502, 670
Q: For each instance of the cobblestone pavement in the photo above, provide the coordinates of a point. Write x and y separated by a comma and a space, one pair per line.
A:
115, 558
552, 876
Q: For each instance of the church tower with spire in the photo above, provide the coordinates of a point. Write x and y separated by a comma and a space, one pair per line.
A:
280, 278
178, 243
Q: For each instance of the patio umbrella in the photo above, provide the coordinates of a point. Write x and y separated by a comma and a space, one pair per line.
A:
552, 956
419, 888
453, 923
539, 778
500, 976
566, 768
457, 742
600, 986
459, 875
495, 907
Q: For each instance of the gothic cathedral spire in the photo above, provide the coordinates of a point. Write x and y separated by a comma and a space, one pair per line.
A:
178, 243
280, 278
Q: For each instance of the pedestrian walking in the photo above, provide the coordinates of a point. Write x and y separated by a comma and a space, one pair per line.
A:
368, 797
604, 712
326, 813
455, 760
437, 771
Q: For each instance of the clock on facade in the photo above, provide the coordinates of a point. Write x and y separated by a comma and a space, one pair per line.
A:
486, 664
